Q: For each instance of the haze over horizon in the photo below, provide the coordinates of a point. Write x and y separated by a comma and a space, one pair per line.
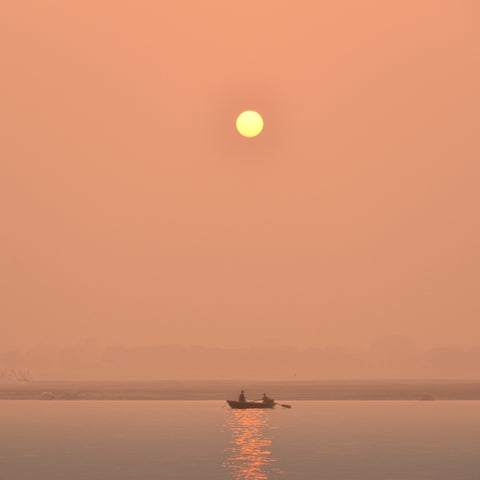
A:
394, 358
133, 213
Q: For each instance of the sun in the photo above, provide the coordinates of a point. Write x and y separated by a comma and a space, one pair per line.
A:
249, 123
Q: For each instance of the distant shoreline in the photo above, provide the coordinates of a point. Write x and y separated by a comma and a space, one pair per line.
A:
223, 389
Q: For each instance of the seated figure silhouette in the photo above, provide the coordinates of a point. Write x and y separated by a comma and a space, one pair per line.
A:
241, 397
266, 399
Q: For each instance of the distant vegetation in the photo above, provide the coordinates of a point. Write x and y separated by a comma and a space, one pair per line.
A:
387, 359
14, 375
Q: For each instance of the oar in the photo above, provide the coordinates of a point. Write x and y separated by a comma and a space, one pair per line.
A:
283, 405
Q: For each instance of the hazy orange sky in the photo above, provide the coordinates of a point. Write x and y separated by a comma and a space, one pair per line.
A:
133, 213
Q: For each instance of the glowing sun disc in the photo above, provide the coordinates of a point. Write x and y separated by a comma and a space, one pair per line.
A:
249, 123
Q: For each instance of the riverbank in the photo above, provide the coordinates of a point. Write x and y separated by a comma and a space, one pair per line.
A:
222, 389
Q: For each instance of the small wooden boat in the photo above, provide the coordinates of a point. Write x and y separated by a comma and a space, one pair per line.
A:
236, 404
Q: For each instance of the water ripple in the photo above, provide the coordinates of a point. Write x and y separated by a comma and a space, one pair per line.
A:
249, 456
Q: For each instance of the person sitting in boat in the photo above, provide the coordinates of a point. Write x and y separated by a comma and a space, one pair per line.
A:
266, 399
241, 397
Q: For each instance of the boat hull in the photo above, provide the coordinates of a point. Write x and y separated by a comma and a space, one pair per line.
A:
245, 405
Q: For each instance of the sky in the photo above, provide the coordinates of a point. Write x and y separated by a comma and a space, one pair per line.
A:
133, 213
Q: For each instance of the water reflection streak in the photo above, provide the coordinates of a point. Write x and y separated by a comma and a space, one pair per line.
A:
249, 456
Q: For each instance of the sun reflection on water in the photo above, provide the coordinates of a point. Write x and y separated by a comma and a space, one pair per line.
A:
249, 456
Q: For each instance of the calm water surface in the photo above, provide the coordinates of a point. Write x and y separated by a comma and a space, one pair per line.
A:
349, 440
